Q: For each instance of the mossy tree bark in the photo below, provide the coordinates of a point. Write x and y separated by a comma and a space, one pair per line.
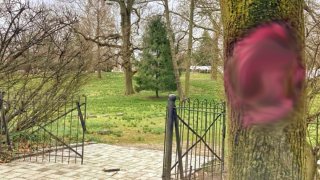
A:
277, 151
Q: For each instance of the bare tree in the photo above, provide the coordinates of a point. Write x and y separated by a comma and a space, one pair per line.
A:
312, 56
41, 63
173, 53
312, 37
126, 10
126, 48
190, 29
209, 11
97, 22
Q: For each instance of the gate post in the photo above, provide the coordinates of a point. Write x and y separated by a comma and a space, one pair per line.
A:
166, 172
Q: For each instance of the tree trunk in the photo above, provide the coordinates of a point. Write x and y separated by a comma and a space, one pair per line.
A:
215, 59
128, 80
98, 35
99, 73
276, 152
172, 50
98, 64
126, 9
188, 63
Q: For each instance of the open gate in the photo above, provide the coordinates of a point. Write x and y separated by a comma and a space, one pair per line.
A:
194, 140
55, 135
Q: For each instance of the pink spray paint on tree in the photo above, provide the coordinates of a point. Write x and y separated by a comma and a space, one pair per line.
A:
264, 75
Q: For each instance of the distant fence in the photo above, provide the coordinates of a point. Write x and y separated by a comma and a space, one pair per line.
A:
201, 69
34, 135
194, 140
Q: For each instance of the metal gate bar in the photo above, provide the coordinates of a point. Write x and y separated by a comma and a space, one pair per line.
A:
199, 128
54, 137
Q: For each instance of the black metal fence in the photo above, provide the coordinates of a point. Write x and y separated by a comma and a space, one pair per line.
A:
53, 134
194, 140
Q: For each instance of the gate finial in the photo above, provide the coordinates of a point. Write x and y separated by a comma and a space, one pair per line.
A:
172, 97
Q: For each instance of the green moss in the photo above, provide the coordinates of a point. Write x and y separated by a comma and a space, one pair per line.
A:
241, 15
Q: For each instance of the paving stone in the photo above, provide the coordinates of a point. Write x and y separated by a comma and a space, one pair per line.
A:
12, 175
134, 163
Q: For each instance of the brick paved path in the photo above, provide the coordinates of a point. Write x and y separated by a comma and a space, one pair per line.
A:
134, 163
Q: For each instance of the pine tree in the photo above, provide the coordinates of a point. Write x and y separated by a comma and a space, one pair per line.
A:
155, 71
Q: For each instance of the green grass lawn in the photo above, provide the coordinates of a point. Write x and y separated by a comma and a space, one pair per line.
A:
137, 119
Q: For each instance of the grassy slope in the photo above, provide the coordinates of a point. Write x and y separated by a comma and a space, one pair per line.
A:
136, 119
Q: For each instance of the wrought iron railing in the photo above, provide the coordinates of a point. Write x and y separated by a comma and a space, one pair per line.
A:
194, 139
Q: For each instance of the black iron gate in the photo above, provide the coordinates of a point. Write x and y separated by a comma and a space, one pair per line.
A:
54, 135
197, 131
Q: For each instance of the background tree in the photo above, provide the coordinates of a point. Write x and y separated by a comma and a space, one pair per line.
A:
206, 17
104, 23
312, 56
312, 50
126, 9
172, 49
122, 41
210, 10
155, 70
97, 22
277, 152
203, 55
216, 60
190, 37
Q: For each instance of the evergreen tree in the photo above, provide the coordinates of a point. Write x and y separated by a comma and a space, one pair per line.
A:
155, 71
